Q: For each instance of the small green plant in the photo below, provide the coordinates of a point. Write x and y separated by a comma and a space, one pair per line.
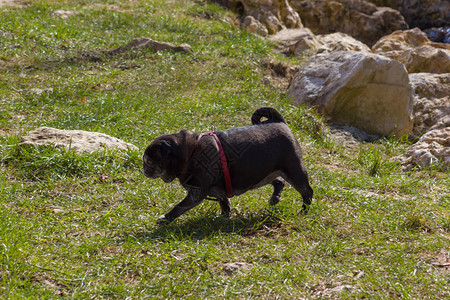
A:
372, 159
417, 221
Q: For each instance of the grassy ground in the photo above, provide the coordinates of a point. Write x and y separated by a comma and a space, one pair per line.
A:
83, 226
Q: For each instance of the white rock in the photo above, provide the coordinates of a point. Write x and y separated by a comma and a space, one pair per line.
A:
78, 140
432, 148
64, 13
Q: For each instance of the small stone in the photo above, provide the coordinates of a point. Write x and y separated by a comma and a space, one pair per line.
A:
39, 91
342, 288
146, 43
63, 13
235, 268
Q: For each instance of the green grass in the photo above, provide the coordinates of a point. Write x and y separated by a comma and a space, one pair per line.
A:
84, 226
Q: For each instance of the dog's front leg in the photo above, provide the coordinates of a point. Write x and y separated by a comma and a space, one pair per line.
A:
225, 206
194, 197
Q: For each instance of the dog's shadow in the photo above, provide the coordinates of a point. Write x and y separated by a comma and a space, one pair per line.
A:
262, 222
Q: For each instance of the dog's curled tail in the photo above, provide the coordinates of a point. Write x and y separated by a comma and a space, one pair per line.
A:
270, 113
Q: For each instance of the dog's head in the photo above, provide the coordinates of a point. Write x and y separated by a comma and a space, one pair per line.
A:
160, 159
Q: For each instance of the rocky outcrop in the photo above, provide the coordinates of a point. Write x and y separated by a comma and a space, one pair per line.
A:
431, 103
420, 13
146, 43
303, 41
413, 49
367, 91
433, 148
360, 19
78, 140
274, 15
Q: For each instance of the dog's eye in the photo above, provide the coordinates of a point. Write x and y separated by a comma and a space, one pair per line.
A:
149, 163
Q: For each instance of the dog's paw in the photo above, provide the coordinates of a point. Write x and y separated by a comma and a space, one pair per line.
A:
162, 220
274, 200
225, 214
305, 209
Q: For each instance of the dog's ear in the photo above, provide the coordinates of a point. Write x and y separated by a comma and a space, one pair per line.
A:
167, 147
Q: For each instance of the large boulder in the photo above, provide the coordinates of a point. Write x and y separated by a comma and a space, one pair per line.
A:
360, 19
433, 148
413, 49
431, 103
303, 41
367, 91
420, 13
77, 140
274, 15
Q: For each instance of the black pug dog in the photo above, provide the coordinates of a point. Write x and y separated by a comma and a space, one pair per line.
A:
231, 163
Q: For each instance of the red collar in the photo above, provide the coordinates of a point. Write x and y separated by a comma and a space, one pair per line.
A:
223, 160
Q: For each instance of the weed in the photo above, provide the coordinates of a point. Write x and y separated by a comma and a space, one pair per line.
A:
372, 159
417, 221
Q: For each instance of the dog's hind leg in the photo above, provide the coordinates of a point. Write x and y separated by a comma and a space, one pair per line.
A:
278, 185
298, 178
